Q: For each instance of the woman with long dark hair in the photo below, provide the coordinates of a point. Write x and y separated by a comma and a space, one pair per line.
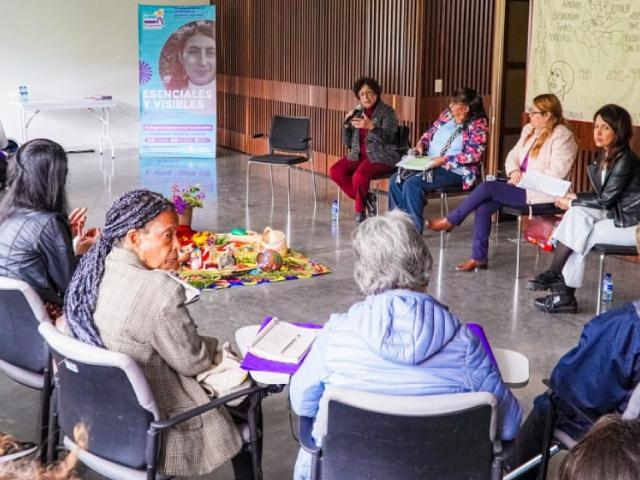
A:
547, 146
455, 142
120, 299
35, 229
609, 214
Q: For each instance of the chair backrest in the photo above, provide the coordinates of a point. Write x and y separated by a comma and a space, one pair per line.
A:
21, 311
289, 133
393, 437
402, 138
107, 392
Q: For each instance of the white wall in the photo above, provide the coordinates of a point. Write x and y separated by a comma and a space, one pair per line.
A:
66, 49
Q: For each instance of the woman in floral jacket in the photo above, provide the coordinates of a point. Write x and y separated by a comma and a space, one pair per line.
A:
455, 142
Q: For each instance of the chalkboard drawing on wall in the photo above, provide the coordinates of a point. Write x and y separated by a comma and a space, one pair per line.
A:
587, 52
560, 79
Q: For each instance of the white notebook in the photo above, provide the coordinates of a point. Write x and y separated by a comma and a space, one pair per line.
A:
283, 342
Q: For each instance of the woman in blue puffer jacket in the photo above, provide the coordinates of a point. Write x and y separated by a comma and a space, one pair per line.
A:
399, 340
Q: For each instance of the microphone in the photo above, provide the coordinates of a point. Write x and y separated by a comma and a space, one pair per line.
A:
357, 112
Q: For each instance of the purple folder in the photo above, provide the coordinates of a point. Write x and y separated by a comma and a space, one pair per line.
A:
253, 362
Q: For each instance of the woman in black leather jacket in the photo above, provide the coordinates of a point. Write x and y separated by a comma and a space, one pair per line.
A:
610, 214
35, 232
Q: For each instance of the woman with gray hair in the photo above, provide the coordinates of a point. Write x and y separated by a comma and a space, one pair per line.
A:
399, 339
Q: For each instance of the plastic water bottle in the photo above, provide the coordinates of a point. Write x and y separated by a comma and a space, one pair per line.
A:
607, 288
23, 93
335, 210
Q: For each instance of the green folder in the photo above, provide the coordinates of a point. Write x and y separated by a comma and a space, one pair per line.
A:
416, 163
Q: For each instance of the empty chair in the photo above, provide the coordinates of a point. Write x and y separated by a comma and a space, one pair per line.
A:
367, 435
24, 357
288, 145
108, 393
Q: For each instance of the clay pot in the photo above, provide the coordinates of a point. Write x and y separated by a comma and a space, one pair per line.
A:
274, 240
269, 260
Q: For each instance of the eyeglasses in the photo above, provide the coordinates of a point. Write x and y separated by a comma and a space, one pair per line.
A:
367, 93
531, 112
454, 103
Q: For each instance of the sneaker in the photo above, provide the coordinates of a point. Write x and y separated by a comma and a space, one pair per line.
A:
371, 202
557, 303
360, 217
17, 450
546, 281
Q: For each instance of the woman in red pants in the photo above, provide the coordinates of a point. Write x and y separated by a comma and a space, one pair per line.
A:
369, 131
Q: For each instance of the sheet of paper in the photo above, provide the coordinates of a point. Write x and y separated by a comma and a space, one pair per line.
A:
539, 182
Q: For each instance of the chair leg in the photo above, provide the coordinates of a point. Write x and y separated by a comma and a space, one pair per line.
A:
549, 426
271, 178
53, 436
599, 297
289, 188
442, 232
377, 189
518, 242
247, 193
446, 204
45, 411
313, 178
254, 415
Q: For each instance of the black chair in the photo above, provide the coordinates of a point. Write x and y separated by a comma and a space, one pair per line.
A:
24, 357
366, 435
603, 250
556, 439
530, 210
107, 392
288, 145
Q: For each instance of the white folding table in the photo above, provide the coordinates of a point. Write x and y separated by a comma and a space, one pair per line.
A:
27, 111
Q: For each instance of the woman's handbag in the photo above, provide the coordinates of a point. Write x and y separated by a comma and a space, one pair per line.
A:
539, 230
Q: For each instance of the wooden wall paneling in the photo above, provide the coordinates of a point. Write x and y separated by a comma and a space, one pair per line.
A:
301, 57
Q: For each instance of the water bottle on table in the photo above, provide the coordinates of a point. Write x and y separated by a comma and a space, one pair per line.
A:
23, 93
607, 288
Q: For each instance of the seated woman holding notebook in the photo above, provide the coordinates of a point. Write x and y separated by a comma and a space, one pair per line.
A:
399, 340
547, 146
119, 298
609, 214
455, 143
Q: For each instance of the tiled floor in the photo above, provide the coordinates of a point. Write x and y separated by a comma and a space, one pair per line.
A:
492, 298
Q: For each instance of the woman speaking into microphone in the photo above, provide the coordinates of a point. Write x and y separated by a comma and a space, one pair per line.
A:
369, 133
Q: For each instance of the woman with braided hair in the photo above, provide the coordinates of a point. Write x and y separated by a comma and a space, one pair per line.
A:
120, 299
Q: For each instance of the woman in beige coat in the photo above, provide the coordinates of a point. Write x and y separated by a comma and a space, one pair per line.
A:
546, 146
121, 300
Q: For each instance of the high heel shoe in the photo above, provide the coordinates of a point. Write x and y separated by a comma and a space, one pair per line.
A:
471, 265
439, 224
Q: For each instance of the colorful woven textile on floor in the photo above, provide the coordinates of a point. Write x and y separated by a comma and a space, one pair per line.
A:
223, 260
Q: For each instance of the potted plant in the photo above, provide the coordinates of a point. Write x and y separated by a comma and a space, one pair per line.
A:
185, 200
